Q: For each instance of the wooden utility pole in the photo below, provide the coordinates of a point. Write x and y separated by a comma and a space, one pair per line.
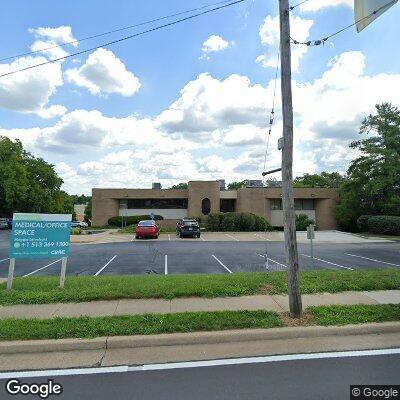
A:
289, 216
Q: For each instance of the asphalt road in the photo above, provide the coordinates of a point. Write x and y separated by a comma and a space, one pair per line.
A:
187, 256
308, 379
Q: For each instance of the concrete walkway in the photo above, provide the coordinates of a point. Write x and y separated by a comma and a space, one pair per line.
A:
278, 303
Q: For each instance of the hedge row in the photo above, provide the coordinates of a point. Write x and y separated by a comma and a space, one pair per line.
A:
240, 222
379, 224
131, 220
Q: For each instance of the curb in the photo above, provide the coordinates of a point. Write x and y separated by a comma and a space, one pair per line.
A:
245, 335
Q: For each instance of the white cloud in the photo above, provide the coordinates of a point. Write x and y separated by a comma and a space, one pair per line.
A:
233, 114
207, 104
30, 91
48, 40
103, 72
214, 44
270, 37
61, 34
316, 5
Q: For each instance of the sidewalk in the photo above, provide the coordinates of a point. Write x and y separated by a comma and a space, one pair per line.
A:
277, 303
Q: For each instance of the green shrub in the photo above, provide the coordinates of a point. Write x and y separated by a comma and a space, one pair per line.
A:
362, 223
131, 220
384, 224
245, 222
302, 222
261, 224
198, 219
213, 222
228, 222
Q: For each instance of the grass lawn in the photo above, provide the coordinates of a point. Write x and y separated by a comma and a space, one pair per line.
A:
85, 327
357, 314
150, 324
41, 290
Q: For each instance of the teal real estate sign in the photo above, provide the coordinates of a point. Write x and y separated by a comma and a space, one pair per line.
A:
40, 235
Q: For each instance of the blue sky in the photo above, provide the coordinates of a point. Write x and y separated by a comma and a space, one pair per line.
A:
190, 101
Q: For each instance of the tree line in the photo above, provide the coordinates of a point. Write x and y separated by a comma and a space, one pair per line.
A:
30, 184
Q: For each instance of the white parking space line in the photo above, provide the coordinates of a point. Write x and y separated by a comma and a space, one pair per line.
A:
328, 262
202, 238
5, 259
105, 265
39, 269
166, 265
372, 259
276, 262
169, 237
232, 237
133, 238
222, 264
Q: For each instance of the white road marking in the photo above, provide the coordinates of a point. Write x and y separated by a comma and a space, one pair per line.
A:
276, 262
5, 259
133, 238
328, 262
198, 364
166, 265
222, 264
261, 237
39, 269
202, 238
232, 237
169, 237
372, 259
105, 265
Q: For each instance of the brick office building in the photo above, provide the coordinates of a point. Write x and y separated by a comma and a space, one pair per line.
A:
204, 197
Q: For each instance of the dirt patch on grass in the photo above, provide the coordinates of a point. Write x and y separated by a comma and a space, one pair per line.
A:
306, 320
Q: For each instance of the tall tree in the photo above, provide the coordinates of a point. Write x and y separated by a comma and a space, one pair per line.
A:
322, 180
373, 185
28, 184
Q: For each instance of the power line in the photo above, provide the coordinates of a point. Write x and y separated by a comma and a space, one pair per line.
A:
115, 30
323, 40
123, 39
297, 5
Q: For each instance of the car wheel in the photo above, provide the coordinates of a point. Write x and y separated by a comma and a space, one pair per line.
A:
180, 235
198, 236
136, 237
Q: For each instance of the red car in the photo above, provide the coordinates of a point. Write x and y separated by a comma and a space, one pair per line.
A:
147, 229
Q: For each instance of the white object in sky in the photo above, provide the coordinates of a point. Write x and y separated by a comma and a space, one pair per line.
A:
366, 8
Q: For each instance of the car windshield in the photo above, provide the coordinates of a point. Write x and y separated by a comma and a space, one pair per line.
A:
190, 223
146, 223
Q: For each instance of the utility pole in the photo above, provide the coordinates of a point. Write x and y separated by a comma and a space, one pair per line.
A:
292, 259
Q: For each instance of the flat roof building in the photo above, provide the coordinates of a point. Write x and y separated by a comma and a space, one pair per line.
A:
204, 197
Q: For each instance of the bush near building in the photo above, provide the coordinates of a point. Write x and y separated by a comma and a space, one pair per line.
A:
132, 220
239, 222
302, 222
379, 224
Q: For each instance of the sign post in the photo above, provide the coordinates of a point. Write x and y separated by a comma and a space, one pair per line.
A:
39, 236
311, 236
10, 273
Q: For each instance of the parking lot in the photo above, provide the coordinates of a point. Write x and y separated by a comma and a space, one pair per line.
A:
230, 254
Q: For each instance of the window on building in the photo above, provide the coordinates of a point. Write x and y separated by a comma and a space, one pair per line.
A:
299, 204
276, 204
227, 205
157, 203
206, 206
304, 204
